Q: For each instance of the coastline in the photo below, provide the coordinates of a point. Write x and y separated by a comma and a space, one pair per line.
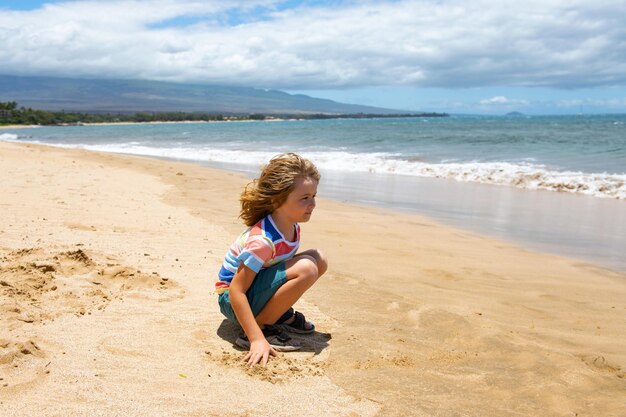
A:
18, 126
140, 123
414, 317
267, 118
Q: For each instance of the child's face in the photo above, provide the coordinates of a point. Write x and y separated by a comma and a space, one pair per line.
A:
300, 202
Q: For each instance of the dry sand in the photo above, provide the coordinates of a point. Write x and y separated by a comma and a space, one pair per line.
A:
107, 266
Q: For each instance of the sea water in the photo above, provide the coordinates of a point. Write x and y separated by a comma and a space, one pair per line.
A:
555, 183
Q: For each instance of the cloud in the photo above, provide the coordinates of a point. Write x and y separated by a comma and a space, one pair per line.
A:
423, 43
501, 100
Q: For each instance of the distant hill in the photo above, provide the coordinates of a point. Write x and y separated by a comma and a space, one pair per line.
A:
131, 96
515, 114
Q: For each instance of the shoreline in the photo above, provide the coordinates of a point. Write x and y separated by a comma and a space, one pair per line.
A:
19, 126
267, 118
191, 146
140, 123
529, 218
414, 317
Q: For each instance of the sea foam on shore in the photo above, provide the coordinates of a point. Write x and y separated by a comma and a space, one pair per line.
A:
520, 174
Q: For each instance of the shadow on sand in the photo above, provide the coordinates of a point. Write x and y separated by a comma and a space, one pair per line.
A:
315, 342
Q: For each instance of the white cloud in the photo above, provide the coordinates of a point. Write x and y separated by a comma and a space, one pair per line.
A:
454, 43
497, 99
501, 100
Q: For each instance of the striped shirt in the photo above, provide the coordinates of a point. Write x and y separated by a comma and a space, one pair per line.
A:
258, 247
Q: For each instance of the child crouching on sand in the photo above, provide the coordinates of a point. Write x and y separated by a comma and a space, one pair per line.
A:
262, 276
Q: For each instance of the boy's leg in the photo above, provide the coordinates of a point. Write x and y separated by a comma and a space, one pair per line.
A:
320, 260
302, 272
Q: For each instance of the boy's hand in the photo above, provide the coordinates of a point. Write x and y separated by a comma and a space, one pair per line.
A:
260, 351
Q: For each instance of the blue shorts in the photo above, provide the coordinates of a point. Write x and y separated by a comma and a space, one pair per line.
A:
264, 286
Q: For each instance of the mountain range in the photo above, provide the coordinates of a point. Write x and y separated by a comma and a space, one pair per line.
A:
132, 96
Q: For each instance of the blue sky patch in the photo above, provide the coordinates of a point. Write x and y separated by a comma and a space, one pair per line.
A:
22, 4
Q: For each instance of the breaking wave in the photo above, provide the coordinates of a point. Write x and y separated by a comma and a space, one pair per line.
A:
524, 175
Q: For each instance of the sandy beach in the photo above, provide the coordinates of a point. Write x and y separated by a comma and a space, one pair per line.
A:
107, 265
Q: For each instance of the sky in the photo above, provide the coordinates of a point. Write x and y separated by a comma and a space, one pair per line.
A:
460, 57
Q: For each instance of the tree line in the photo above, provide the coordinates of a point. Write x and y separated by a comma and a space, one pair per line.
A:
10, 114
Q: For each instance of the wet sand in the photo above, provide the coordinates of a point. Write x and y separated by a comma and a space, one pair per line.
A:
106, 273
579, 226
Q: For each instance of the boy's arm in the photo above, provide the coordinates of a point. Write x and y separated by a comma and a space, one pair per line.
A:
259, 347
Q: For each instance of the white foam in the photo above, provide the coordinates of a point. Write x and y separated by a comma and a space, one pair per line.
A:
525, 174
522, 175
9, 137
187, 154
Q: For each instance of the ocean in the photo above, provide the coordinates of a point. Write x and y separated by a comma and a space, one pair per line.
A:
550, 183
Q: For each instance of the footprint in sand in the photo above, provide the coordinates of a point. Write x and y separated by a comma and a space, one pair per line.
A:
21, 362
12, 351
40, 284
601, 364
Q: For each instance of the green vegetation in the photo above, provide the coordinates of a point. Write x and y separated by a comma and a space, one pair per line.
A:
10, 114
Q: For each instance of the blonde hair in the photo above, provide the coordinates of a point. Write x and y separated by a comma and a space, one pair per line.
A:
268, 192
